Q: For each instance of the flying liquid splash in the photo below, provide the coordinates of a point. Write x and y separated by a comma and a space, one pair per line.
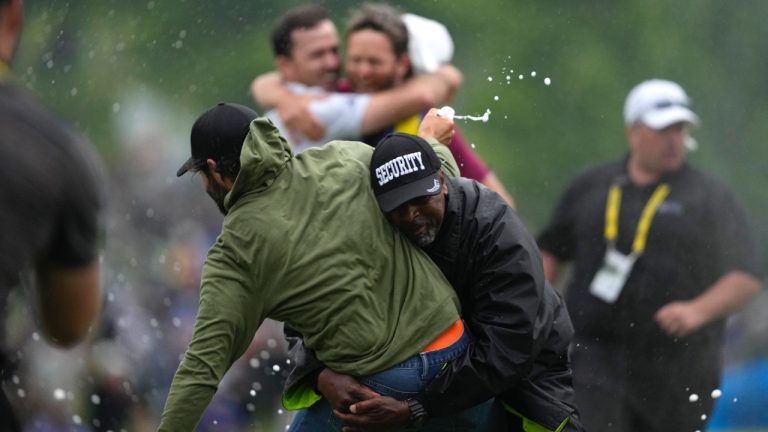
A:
450, 113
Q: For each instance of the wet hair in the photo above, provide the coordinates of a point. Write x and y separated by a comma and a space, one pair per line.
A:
302, 17
381, 18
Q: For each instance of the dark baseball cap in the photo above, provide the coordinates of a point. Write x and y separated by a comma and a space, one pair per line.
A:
220, 131
403, 167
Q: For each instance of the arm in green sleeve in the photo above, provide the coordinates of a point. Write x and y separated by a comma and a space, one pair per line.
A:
226, 322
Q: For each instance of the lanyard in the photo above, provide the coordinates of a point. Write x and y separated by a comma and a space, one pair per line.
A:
612, 216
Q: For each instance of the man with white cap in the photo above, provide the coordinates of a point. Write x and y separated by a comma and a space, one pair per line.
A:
661, 256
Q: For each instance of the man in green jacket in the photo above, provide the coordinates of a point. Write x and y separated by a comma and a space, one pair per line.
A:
303, 242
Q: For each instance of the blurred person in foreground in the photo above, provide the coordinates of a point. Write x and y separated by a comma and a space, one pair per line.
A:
395, 72
303, 242
51, 200
520, 326
661, 255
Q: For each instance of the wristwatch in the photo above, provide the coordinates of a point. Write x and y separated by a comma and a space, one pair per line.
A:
418, 413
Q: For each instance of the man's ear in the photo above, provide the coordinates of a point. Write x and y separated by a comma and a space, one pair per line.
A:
632, 131
284, 65
443, 184
213, 171
215, 175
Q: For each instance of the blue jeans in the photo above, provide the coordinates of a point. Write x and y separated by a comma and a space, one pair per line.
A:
403, 381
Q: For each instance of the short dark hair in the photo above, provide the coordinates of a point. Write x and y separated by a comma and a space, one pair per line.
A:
382, 18
302, 17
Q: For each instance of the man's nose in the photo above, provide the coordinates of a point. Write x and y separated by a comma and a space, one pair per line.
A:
365, 70
410, 212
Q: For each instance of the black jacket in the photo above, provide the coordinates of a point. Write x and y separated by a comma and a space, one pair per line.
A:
520, 326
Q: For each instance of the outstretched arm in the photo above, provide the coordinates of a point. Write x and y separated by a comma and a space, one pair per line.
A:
269, 91
727, 295
414, 96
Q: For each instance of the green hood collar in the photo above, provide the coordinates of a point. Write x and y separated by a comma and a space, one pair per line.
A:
265, 153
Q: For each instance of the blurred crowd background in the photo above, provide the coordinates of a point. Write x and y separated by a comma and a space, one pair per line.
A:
132, 76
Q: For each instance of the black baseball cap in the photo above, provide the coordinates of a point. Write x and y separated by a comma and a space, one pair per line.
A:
220, 131
403, 167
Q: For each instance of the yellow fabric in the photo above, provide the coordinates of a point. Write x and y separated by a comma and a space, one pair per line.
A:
643, 226
531, 426
300, 397
409, 125
612, 213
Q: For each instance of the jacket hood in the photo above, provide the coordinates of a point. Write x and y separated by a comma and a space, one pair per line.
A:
264, 155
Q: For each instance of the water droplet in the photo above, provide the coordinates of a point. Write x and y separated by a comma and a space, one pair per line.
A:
693, 397
76, 419
703, 417
95, 399
716, 393
495, 98
73, 92
280, 411
59, 394
253, 393
276, 368
533, 73
254, 362
21, 393
547, 81
176, 322
490, 79
520, 76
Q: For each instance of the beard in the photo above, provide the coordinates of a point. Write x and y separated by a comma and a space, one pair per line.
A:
217, 194
427, 238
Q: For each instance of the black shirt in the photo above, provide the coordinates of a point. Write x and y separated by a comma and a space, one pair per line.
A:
50, 197
49, 189
698, 234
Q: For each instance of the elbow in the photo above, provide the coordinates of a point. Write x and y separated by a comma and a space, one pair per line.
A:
66, 338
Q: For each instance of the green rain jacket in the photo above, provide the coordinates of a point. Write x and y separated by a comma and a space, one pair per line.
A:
304, 243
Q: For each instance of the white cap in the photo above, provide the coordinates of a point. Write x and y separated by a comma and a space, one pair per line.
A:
658, 104
429, 43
